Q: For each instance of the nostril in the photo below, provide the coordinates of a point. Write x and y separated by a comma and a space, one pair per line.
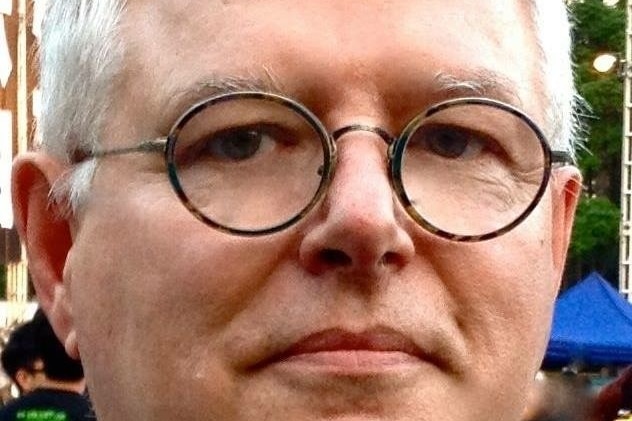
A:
335, 257
390, 258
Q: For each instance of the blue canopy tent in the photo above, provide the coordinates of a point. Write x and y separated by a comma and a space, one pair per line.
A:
592, 323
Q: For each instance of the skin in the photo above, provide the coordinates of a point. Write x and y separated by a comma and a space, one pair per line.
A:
174, 320
29, 380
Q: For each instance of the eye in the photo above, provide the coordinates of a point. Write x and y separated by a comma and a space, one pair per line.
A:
235, 144
450, 142
231, 145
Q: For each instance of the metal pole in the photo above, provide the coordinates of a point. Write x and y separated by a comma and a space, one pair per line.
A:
625, 281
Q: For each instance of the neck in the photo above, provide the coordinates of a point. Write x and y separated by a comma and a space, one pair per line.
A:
78, 386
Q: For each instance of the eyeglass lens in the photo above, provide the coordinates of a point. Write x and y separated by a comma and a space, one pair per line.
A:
252, 164
472, 169
249, 164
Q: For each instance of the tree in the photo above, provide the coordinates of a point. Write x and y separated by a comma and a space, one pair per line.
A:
598, 28
595, 238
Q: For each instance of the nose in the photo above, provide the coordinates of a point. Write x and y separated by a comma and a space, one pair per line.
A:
359, 227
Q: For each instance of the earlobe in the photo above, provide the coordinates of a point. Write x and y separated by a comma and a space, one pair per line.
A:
567, 185
60, 317
45, 232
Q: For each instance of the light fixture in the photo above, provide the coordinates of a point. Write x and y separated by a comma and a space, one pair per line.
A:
605, 62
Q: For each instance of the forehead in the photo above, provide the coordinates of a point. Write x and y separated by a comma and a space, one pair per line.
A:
327, 45
375, 16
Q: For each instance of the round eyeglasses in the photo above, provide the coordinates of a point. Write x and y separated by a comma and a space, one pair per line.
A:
254, 163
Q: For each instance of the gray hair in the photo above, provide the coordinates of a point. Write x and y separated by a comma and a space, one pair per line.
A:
80, 57
82, 53
553, 30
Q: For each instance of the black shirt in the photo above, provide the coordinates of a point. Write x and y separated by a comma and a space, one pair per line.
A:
48, 405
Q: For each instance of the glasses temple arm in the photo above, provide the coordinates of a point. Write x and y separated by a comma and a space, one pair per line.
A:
154, 145
561, 157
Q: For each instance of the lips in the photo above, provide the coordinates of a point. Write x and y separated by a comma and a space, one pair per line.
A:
377, 340
341, 349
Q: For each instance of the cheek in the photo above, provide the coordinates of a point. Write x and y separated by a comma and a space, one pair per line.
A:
184, 268
139, 244
505, 291
158, 288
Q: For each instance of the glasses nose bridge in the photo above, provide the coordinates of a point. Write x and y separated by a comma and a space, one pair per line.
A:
382, 133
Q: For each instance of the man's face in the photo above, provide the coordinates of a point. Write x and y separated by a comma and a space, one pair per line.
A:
355, 313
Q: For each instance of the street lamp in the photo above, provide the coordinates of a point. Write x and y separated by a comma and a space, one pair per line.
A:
605, 62
611, 63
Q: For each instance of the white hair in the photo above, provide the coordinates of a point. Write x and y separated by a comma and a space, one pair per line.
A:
82, 53
80, 57
553, 30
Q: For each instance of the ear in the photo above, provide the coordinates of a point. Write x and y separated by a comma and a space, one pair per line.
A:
22, 379
45, 231
566, 191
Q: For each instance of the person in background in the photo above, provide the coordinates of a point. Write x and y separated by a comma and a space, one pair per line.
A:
614, 399
51, 383
302, 210
21, 360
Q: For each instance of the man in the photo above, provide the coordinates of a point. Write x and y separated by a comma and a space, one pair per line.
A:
50, 382
21, 360
315, 210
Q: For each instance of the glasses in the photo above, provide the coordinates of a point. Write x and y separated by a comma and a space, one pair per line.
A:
254, 163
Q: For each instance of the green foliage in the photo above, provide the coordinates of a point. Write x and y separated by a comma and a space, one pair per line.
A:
595, 243
596, 227
597, 27
600, 29
595, 238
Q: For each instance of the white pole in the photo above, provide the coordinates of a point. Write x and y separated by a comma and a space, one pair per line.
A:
625, 281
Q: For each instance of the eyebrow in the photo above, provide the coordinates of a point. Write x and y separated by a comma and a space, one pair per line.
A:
180, 100
475, 82
479, 82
